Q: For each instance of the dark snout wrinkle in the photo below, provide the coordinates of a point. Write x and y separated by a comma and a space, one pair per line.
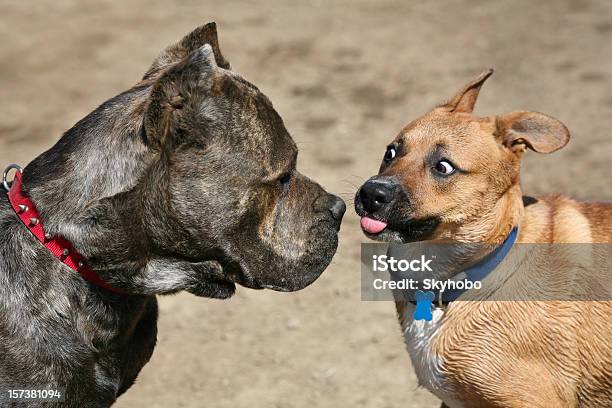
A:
337, 207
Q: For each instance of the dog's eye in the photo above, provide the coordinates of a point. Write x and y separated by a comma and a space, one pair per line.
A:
444, 167
285, 179
390, 154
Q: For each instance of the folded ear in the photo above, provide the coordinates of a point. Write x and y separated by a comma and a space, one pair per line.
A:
206, 34
176, 90
536, 131
465, 99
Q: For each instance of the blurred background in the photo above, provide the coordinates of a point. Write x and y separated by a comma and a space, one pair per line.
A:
346, 76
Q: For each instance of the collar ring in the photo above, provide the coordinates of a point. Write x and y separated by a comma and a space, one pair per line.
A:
5, 183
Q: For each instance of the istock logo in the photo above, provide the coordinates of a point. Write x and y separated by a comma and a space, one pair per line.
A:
384, 263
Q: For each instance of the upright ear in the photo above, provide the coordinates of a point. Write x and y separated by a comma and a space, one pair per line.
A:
206, 34
174, 91
536, 131
465, 99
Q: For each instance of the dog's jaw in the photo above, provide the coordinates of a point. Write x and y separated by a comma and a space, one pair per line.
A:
401, 231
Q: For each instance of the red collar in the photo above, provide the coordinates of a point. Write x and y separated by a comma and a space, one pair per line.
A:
60, 247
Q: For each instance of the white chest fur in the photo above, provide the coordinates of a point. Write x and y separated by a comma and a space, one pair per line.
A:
419, 335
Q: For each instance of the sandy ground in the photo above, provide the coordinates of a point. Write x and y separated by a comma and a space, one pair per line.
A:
345, 75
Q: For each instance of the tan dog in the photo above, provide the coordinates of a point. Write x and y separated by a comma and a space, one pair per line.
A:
451, 176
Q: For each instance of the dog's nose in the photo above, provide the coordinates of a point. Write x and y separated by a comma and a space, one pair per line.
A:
337, 207
375, 194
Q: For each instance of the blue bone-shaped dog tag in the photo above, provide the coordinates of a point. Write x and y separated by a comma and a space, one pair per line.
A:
423, 305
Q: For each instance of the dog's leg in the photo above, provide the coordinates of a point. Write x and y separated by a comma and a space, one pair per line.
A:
165, 276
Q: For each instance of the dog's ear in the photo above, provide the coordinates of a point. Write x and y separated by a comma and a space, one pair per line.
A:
465, 99
536, 131
206, 34
174, 92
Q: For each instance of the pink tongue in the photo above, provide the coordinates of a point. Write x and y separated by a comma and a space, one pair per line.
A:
372, 226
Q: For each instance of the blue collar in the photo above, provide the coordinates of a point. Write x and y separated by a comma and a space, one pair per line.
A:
481, 270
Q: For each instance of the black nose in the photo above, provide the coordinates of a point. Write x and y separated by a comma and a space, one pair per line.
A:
337, 207
375, 194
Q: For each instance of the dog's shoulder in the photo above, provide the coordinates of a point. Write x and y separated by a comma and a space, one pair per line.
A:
556, 218
599, 215
48, 314
470, 345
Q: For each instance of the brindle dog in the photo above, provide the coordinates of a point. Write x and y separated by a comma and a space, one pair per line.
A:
187, 181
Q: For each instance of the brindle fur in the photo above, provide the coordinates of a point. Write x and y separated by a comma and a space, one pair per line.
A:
186, 181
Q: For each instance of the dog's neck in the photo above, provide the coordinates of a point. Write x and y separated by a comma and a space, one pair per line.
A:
493, 226
98, 187
74, 185
483, 234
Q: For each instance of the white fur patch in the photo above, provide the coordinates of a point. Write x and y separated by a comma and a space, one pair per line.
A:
429, 367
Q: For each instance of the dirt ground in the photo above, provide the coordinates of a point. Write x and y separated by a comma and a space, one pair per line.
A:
345, 76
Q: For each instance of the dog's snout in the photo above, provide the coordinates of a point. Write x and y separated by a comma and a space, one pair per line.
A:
375, 194
337, 207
